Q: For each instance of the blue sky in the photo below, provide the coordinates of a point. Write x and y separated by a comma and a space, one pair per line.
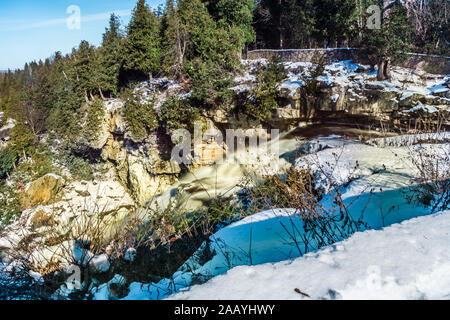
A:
35, 29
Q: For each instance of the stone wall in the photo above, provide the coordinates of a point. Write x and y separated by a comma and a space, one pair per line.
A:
306, 55
429, 63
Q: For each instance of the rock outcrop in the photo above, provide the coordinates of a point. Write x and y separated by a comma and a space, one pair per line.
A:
349, 93
142, 167
44, 191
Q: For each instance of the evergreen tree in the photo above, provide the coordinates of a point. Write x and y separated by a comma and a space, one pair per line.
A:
84, 70
389, 43
235, 13
142, 46
333, 21
174, 37
110, 57
64, 100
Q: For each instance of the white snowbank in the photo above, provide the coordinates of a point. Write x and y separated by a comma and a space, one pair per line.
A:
410, 260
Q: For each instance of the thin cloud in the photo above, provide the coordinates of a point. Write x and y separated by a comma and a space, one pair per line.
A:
19, 25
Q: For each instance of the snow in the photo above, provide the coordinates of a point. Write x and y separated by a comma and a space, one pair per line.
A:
130, 254
422, 107
410, 260
100, 263
411, 139
10, 124
439, 88
291, 85
241, 88
378, 179
335, 97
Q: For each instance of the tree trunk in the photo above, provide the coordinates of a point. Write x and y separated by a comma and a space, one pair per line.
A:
387, 69
384, 69
101, 94
381, 68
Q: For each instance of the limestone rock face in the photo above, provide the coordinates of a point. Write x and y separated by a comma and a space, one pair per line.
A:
139, 166
143, 183
44, 191
347, 93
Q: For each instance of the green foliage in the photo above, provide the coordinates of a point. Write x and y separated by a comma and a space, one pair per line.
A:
174, 41
178, 113
333, 21
142, 45
95, 116
311, 87
64, 102
392, 40
237, 13
305, 23
110, 56
263, 96
9, 204
84, 69
140, 116
209, 83
41, 163
37, 158
22, 140
79, 168
205, 51
8, 158
311, 82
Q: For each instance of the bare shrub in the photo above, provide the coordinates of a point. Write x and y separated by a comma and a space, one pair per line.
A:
433, 166
297, 189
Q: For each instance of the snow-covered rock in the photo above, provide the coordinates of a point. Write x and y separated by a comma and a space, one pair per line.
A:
410, 260
100, 263
130, 254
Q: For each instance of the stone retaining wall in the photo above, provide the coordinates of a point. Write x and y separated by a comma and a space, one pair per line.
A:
306, 55
429, 63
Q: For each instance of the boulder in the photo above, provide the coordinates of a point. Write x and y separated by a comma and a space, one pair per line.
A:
44, 191
99, 264
144, 184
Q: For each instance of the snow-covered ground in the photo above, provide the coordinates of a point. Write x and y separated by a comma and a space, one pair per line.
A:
410, 260
262, 256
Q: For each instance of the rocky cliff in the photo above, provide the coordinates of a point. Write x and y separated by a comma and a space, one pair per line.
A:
136, 171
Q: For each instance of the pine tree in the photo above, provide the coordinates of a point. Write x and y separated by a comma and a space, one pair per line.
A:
300, 24
389, 43
142, 46
235, 13
208, 41
84, 70
174, 37
333, 21
110, 57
